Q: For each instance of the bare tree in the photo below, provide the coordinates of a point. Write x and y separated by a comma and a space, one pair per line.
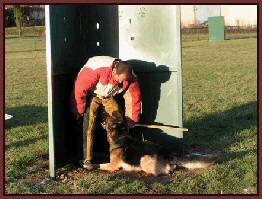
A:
18, 18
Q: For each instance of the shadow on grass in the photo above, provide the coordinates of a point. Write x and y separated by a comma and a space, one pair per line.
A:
24, 37
26, 142
19, 51
141, 176
26, 115
221, 130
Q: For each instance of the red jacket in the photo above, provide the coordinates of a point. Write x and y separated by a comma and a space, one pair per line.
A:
96, 79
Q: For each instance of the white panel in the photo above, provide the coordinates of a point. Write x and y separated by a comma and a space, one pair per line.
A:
50, 93
150, 33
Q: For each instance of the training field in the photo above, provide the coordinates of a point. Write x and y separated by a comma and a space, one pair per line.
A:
220, 111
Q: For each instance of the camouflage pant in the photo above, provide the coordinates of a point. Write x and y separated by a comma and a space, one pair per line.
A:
110, 107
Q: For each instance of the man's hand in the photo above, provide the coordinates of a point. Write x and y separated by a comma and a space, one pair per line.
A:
131, 124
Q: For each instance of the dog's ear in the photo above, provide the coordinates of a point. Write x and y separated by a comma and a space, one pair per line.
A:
111, 125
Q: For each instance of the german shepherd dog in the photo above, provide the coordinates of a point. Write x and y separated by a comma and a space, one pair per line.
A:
130, 154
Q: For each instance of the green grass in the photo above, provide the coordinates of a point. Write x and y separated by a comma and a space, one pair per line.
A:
24, 44
26, 100
205, 36
26, 31
220, 107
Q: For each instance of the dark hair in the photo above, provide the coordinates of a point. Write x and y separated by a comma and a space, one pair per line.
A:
123, 67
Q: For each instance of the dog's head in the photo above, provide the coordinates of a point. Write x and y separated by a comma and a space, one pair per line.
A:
114, 128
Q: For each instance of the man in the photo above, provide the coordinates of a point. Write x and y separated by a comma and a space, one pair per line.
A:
102, 78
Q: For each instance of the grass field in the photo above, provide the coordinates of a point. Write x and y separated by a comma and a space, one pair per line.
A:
26, 31
220, 107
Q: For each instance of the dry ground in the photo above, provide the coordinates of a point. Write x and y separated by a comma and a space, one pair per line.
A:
39, 173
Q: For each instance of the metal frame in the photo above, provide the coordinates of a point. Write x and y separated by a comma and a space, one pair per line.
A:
172, 88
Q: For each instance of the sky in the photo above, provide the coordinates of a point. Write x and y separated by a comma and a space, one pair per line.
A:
205, 11
233, 14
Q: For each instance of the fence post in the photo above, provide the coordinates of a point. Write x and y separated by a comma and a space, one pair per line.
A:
35, 42
197, 33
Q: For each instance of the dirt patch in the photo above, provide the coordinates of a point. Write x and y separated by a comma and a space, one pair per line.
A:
39, 172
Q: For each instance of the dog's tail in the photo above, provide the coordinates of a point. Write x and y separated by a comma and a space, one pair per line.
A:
195, 163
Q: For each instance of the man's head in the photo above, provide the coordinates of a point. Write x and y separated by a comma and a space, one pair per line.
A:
122, 70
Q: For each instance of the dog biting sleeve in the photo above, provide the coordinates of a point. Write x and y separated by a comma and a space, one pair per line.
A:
133, 100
